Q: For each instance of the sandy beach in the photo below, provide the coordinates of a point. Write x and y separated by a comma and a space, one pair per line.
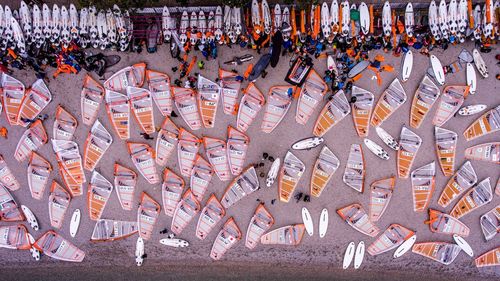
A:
314, 258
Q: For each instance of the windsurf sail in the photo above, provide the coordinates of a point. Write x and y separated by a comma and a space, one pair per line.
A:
409, 143
324, 168
489, 152
159, 87
217, 156
354, 173
229, 235
486, 124
362, 108
260, 222
91, 98
289, 176
141, 104
243, 185
476, 197
380, 196
333, 112
119, 113
59, 200
12, 97
39, 170
187, 149
451, 100
423, 182
490, 258
230, 84
278, 102
490, 223
142, 156
461, 181
70, 164
445, 224
442, 252
250, 105
208, 99
98, 193
9, 210
287, 235
111, 230
7, 178
392, 238
15, 237
390, 100
166, 141
311, 94
36, 99
185, 211
423, 100
64, 125
129, 76
55, 246
147, 214
201, 175
237, 146
97, 143
355, 216
171, 191
31, 140
446, 145
210, 215
185, 101
125, 181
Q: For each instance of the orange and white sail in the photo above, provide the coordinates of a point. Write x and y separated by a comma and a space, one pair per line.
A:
185, 101
228, 236
64, 125
12, 97
380, 195
31, 140
217, 156
118, 113
59, 200
70, 164
446, 146
333, 112
129, 76
462, 180
208, 100
166, 141
362, 108
125, 181
147, 215
390, 100
442, 252
55, 246
210, 215
250, 105
324, 168
279, 100
171, 191
7, 178
489, 152
490, 223
290, 235
243, 185
111, 230
141, 104
311, 94
185, 211
354, 173
355, 216
290, 173
392, 238
91, 98
98, 194
261, 221
445, 224
39, 170
451, 100
486, 124
97, 143
230, 88
425, 96
15, 237
9, 210
187, 149
201, 175
142, 156
409, 144
476, 197
159, 86
35, 100
423, 182
490, 258
237, 146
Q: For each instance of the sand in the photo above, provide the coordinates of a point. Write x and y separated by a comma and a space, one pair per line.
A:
314, 258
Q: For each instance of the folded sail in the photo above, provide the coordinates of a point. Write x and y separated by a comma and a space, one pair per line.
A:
409, 143
278, 102
445, 224
486, 124
111, 230
7, 178
362, 108
230, 84
159, 86
171, 191
187, 149
119, 113
185, 101
70, 163
185, 211
56, 247
446, 146
390, 100
380, 196
31, 140
91, 98
129, 76
261, 221
451, 100
125, 181
147, 215
9, 210
142, 156
287, 235
12, 97
423, 100
423, 182
243, 185
210, 215
14, 237
98, 193
311, 94
208, 100
354, 173
59, 200
166, 141
201, 175
490, 258
392, 238
461, 181
36, 99
217, 156
489, 152
64, 125
355, 216
289, 176
324, 168
141, 104
250, 105
490, 223
39, 170
442, 252
97, 143
476, 197
333, 112
229, 235
237, 146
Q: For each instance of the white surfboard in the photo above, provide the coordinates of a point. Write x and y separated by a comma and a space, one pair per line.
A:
307, 143
306, 218
364, 18
471, 78
273, 172
462, 16
437, 67
334, 17
376, 149
139, 251
30, 217
349, 255
330, 63
407, 66
471, 109
75, 223
325, 20
443, 19
35, 253
360, 254
479, 62
346, 18
266, 15
174, 242
73, 21
453, 16
405, 247
387, 19
323, 223
463, 245
386, 138
433, 20
409, 20
236, 19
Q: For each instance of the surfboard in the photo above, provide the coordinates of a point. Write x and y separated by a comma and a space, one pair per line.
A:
261, 221
358, 68
433, 20
462, 16
47, 21
345, 18
471, 109
184, 24
56, 24
218, 23
25, 20
360, 254
139, 251
437, 68
307, 143
380, 195
35, 253
65, 32
451, 100
453, 16
174, 242
477, 19
38, 35
390, 100
323, 223
376, 149
387, 19
409, 20
331, 114
308, 223
409, 144
405, 247
73, 22
471, 78
443, 19
425, 96
75, 223
423, 183
407, 66
325, 20
480, 64
276, 18
349, 255
266, 17
30, 217
364, 18
83, 25
463, 245
273, 172
334, 16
